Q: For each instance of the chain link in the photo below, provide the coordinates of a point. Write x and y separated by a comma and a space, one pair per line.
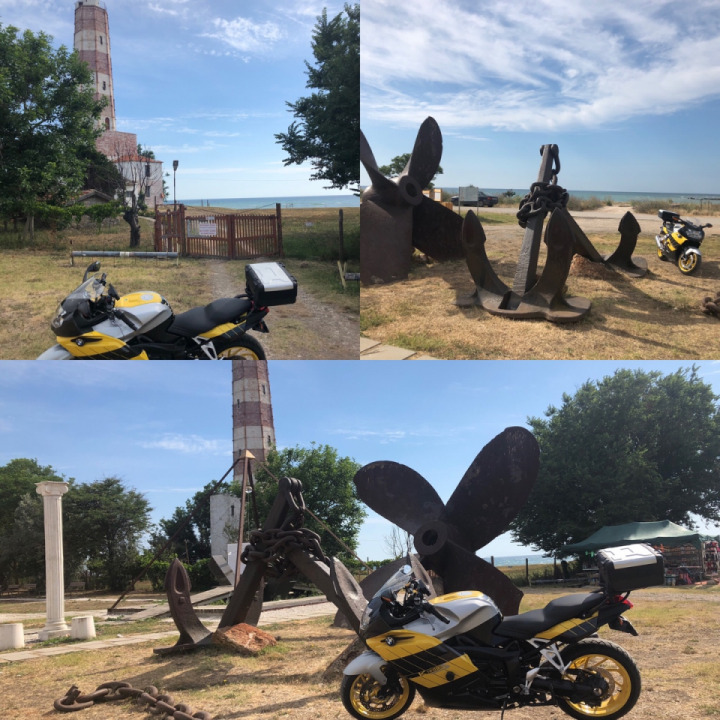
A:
158, 704
542, 199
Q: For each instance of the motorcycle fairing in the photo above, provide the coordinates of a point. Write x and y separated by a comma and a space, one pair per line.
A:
98, 346
141, 297
422, 658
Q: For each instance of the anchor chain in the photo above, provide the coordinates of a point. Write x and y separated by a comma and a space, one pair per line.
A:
270, 546
158, 704
544, 197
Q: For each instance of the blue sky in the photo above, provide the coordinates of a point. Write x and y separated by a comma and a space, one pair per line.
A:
165, 428
629, 91
204, 83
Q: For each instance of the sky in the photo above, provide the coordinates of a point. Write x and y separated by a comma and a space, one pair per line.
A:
165, 429
629, 91
204, 83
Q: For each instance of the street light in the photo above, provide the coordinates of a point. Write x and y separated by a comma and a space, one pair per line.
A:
175, 167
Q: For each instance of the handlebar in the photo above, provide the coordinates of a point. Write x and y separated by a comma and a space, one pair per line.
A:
429, 607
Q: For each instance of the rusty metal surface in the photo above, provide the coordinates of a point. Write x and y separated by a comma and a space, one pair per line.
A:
622, 259
395, 215
446, 536
192, 631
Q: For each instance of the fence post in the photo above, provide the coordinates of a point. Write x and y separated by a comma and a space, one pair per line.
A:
341, 237
278, 222
181, 229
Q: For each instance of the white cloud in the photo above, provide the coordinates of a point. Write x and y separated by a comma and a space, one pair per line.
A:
533, 65
245, 35
188, 444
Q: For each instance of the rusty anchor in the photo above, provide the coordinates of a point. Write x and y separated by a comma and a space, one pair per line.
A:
543, 297
281, 545
395, 216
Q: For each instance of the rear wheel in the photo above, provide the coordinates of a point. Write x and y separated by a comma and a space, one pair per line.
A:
243, 348
610, 671
688, 262
365, 698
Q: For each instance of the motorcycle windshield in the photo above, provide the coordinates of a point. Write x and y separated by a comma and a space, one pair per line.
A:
395, 585
92, 290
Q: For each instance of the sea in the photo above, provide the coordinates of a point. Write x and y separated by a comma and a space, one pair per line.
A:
507, 560
615, 196
259, 203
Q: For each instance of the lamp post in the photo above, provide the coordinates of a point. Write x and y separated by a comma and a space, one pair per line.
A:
175, 167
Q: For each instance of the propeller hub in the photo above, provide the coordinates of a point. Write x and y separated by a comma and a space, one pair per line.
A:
410, 190
431, 538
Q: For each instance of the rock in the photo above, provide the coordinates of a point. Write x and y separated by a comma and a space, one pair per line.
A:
243, 638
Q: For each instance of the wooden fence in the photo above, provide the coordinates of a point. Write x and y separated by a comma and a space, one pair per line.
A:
232, 236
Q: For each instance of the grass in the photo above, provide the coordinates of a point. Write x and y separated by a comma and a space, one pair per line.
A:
654, 317
290, 681
33, 280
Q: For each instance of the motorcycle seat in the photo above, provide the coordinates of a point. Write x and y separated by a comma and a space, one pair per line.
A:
201, 319
533, 622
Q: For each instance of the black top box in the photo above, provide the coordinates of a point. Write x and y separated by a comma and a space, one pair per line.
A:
270, 284
630, 567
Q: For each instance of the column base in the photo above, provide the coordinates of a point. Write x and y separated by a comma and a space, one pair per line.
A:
59, 630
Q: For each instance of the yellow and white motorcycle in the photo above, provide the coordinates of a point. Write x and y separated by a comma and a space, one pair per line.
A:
95, 322
679, 241
458, 651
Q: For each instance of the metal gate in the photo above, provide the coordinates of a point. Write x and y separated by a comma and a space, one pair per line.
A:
227, 236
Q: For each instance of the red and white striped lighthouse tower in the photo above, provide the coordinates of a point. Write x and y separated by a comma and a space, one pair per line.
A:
92, 42
253, 427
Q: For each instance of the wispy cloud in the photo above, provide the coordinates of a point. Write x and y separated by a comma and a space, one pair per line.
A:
534, 65
188, 444
245, 35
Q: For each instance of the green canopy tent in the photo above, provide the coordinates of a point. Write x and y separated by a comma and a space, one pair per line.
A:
662, 532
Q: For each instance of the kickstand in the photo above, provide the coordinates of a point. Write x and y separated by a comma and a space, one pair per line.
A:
502, 711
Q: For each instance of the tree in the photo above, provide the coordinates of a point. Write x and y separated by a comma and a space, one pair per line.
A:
328, 125
397, 165
634, 446
328, 491
193, 541
102, 174
107, 522
47, 123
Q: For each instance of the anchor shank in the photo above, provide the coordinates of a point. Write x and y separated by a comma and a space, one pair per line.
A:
526, 271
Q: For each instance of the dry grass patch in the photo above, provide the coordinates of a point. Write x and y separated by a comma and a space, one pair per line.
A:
675, 651
654, 317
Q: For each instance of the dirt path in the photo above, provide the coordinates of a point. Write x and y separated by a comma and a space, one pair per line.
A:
305, 330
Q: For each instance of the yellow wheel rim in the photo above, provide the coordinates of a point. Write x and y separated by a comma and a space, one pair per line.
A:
687, 262
366, 698
617, 678
241, 353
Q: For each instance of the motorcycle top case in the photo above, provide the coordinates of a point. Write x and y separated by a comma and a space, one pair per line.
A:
630, 567
270, 284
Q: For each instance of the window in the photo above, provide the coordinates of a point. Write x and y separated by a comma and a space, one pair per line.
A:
104, 85
101, 40
107, 123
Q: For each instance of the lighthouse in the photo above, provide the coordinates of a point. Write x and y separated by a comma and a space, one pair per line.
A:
253, 427
92, 42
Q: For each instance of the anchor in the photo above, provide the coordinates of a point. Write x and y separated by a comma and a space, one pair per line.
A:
281, 545
395, 216
530, 296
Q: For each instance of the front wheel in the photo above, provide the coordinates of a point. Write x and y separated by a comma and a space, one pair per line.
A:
243, 348
365, 698
609, 671
688, 262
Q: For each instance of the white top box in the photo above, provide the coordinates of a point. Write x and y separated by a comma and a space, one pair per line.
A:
272, 276
630, 555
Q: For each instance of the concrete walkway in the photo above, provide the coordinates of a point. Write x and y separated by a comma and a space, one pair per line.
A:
273, 612
374, 350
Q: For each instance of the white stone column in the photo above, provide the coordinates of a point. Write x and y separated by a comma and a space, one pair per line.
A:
55, 625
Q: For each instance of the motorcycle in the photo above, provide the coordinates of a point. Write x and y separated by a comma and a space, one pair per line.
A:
458, 651
95, 322
679, 241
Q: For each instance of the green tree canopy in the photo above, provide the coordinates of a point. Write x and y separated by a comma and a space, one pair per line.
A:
328, 491
102, 526
328, 125
634, 446
47, 122
193, 540
397, 165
